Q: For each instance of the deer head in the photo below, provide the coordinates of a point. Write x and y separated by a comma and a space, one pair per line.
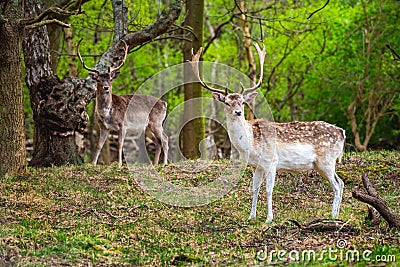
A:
235, 101
104, 78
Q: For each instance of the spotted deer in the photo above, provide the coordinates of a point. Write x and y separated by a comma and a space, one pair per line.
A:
111, 112
271, 146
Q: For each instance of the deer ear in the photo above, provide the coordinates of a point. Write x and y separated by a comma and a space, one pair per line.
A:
115, 74
250, 96
219, 97
93, 75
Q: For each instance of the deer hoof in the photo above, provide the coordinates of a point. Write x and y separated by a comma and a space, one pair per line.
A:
269, 220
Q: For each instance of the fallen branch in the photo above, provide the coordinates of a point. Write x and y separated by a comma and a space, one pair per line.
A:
325, 225
372, 198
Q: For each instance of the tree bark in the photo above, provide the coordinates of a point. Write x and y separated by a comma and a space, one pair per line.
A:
55, 37
59, 107
12, 127
193, 132
120, 20
68, 36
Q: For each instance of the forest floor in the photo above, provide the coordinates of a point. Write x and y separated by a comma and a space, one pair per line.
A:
99, 216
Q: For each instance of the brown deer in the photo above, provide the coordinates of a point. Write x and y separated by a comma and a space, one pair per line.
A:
271, 147
111, 112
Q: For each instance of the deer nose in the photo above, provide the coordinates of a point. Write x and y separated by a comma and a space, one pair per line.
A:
238, 112
106, 87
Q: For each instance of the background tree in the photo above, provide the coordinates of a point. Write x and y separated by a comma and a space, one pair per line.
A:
12, 130
193, 132
373, 94
13, 23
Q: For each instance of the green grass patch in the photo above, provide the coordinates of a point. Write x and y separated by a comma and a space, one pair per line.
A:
100, 216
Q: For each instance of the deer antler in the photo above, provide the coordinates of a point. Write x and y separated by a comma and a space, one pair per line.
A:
195, 66
261, 55
126, 48
80, 58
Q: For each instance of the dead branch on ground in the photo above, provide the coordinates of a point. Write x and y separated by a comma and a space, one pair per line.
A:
371, 197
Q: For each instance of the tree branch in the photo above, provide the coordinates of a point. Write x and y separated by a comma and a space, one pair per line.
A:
47, 12
48, 21
319, 9
396, 56
159, 39
157, 28
217, 32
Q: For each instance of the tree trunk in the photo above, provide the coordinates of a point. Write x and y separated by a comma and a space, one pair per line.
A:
249, 54
51, 149
58, 106
55, 37
351, 110
12, 128
73, 72
193, 132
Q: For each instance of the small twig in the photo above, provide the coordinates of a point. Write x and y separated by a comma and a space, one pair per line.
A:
134, 207
327, 2
114, 216
65, 227
97, 214
396, 56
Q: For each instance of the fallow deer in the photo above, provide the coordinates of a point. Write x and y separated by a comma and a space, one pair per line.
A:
111, 112
271, 147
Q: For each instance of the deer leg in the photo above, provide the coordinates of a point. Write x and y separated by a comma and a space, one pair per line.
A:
160, 139
270, 181
102, 139
157, 154
337, 186
338, 195
121, 138
257, 181
164, 144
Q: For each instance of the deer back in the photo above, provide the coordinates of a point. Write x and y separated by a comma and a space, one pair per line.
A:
321, 135
144, 111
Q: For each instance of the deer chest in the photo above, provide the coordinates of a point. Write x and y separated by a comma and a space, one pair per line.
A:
105, 121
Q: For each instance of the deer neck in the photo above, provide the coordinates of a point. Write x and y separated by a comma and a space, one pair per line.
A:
240, 132
103, 104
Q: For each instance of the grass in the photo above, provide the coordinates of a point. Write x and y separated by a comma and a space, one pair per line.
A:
98, 216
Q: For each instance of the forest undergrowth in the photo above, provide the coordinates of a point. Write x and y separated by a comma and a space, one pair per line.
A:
99, 216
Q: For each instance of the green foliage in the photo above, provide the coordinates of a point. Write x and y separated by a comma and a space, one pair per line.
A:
312, 68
